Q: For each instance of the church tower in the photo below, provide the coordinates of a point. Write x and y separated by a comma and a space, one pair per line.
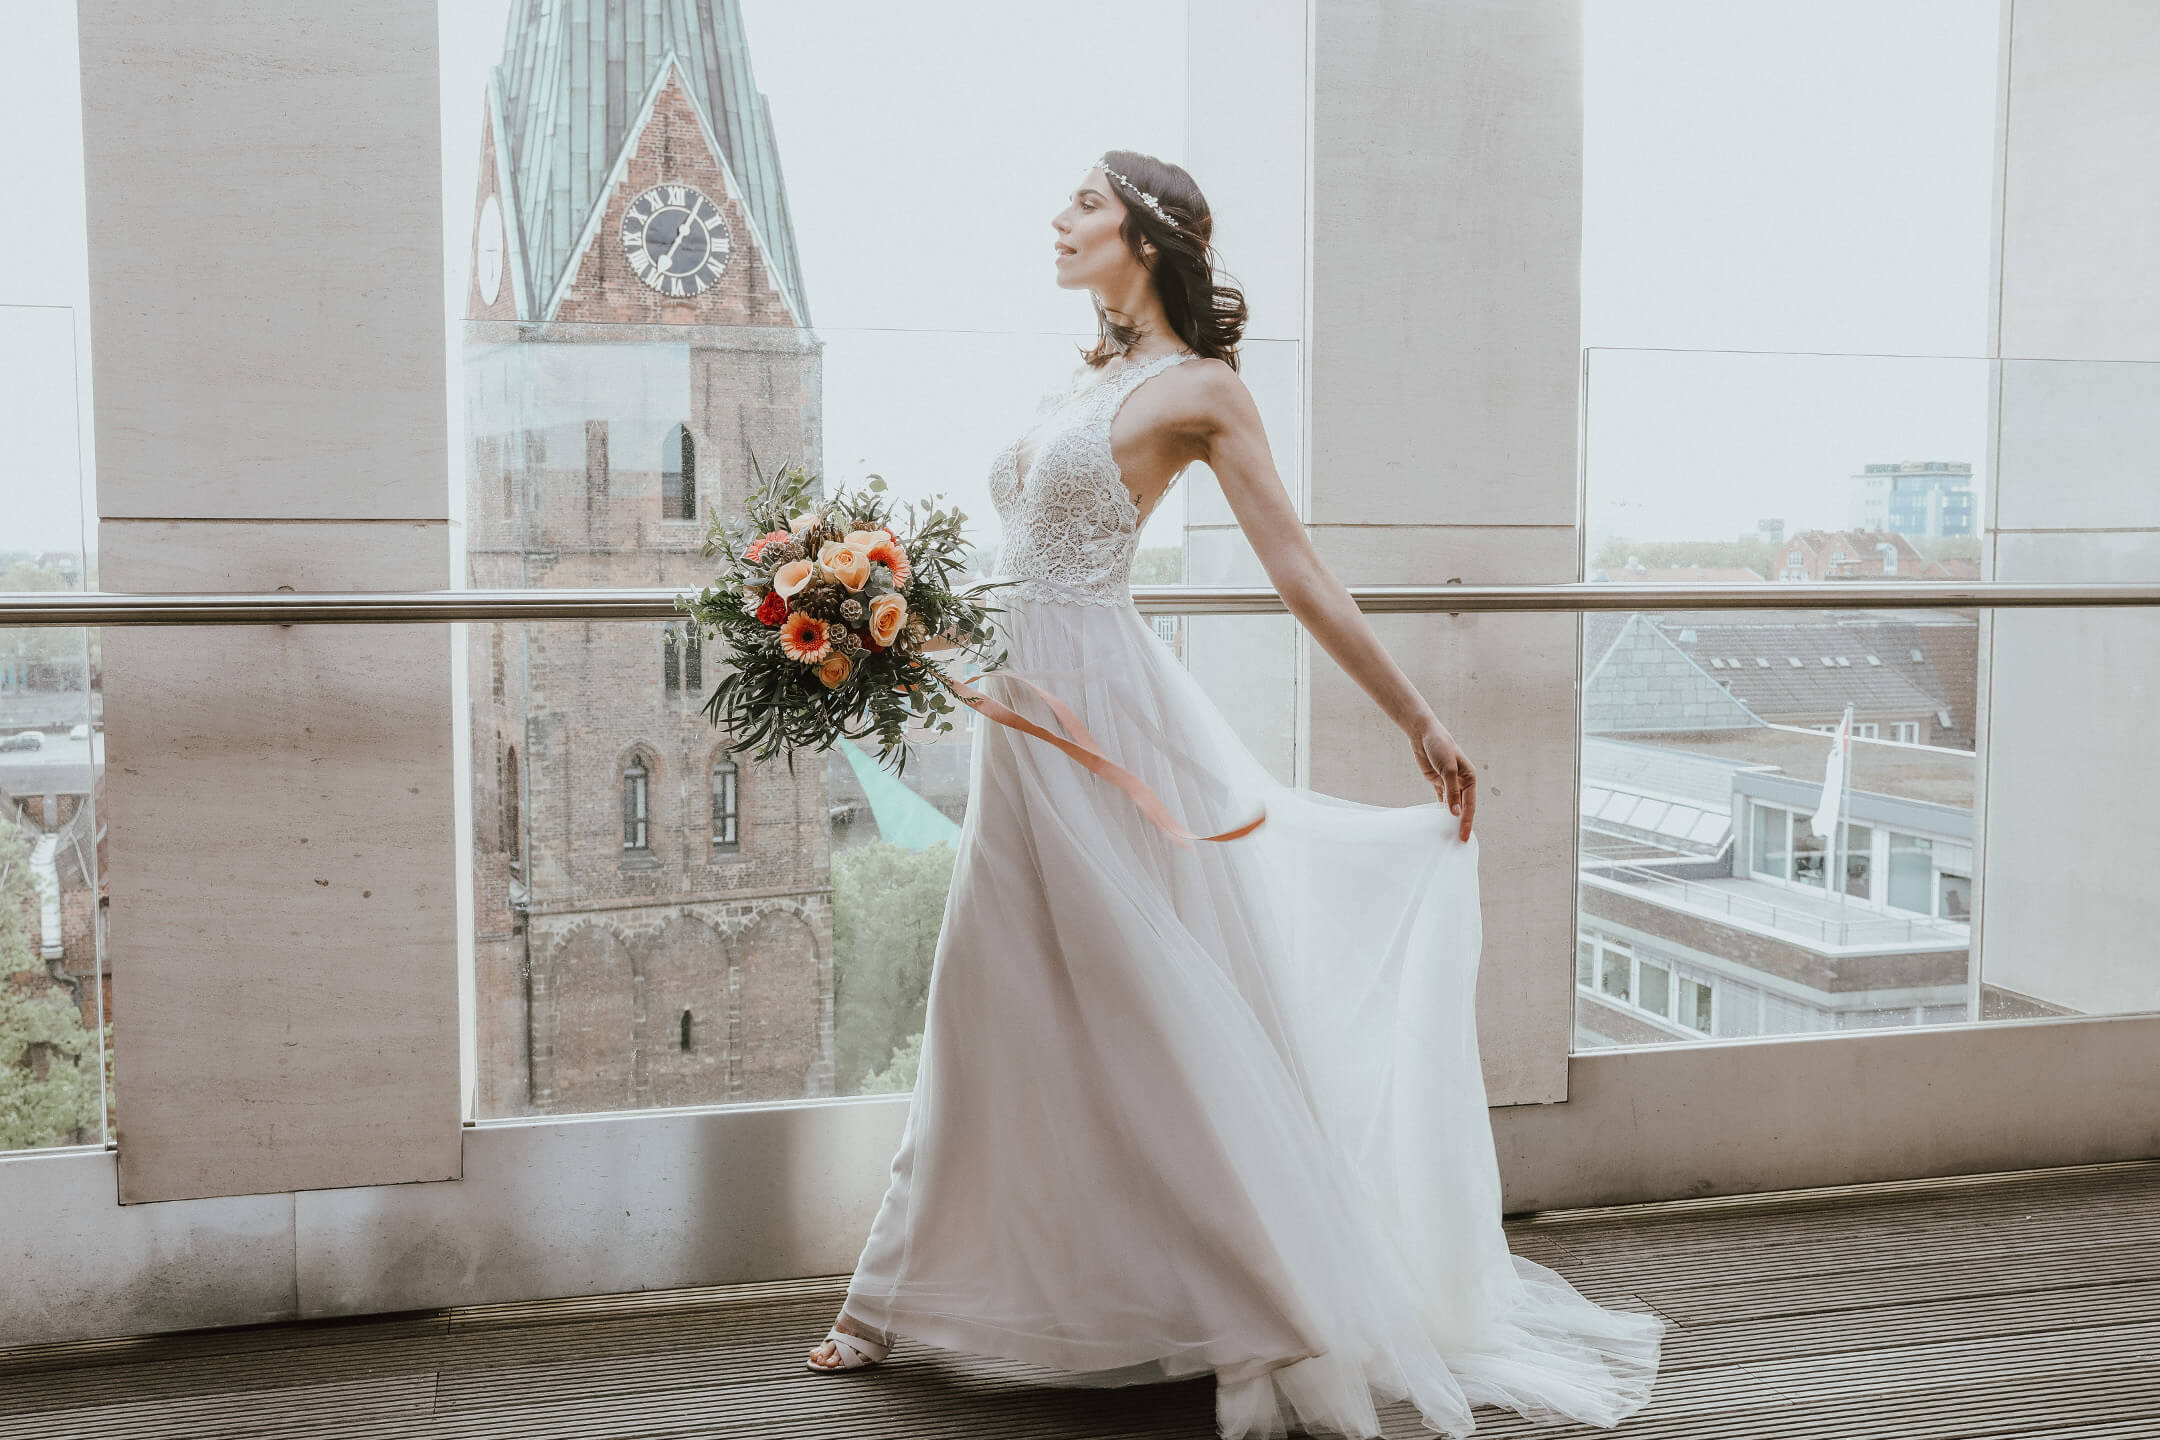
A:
654, 911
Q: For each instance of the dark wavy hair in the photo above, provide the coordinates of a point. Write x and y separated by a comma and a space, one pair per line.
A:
1209, 317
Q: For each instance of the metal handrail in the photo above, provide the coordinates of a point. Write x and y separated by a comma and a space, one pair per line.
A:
404, 607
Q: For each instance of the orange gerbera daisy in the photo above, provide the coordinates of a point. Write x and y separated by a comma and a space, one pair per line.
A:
889, 554
804, 638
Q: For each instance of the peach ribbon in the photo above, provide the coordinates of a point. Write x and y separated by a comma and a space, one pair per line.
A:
1083, 748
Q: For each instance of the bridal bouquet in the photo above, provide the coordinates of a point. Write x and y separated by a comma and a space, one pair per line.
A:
823, 606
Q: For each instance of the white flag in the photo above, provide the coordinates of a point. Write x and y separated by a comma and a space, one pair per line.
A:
1833, 781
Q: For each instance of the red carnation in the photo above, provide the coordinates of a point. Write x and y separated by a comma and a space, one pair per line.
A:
772, 609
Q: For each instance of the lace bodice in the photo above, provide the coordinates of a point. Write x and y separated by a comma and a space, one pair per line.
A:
1070, 524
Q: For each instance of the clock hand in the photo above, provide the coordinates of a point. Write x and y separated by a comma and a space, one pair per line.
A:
667, 261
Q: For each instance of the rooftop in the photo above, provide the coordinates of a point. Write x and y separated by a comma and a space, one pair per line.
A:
1880, 767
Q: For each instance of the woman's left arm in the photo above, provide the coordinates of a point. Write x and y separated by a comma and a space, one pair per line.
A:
1222, 426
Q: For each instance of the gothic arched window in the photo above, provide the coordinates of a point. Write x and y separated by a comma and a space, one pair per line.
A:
636, 814
513, 826
726, 804
678, 475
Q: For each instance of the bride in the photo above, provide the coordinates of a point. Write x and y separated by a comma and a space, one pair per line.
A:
1188, 1107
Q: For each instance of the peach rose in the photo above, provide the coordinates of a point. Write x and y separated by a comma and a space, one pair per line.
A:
803, 521
848, 565
864, 539
835, 670
791, 577
887, 614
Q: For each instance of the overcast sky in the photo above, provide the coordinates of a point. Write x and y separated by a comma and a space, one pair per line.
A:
1758, 177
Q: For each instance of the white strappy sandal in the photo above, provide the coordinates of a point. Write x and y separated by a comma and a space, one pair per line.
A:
856, 1352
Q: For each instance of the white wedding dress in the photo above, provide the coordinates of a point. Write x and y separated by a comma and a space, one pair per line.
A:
1207, 1107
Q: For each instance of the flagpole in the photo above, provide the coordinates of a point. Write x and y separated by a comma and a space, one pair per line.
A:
1837, 829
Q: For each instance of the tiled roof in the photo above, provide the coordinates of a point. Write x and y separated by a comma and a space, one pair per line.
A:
1643, 681
1756, 659
572, 76
1686, 575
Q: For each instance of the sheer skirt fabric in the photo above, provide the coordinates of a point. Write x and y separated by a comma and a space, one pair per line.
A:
1215, 1107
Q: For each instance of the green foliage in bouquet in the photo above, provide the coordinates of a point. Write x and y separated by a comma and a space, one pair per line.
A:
823, 606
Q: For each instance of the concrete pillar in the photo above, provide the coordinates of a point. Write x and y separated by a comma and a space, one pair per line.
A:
265, 232
1442, 361
2066, 908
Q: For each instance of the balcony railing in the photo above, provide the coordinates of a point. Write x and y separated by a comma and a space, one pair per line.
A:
442, 606
1797, 918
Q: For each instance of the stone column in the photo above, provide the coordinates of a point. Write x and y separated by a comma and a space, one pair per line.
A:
265, 228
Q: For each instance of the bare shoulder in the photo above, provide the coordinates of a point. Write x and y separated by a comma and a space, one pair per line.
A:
1207, 396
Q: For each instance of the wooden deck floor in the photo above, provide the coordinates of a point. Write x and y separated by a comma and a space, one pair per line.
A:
2012, 1305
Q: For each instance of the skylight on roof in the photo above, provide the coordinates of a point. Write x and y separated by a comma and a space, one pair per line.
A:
1874, 659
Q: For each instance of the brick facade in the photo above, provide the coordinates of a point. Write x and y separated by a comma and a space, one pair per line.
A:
680, 973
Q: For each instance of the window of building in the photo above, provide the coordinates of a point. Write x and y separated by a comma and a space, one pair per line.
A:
634, 797
693, 659
1810, 856
1859, 860
1865, 729
670, 660
513, 826
1653, 986
1953, 896
1585, 962
1695, 1004
1912, 873
1613, 977
1906, 730
1772, 849
678, 475
726, 804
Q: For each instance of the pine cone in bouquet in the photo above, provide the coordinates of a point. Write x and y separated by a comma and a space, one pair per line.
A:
822, 607
826, 602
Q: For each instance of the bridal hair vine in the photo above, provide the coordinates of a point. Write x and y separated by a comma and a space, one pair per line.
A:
1149, 200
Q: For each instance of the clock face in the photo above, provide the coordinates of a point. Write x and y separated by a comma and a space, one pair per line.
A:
675, 239
488, 263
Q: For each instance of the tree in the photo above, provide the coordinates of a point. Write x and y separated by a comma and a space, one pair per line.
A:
888, 904
49, 1059
1742, 553
898, 1077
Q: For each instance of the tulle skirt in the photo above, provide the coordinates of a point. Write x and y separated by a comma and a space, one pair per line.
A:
1215, 1107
